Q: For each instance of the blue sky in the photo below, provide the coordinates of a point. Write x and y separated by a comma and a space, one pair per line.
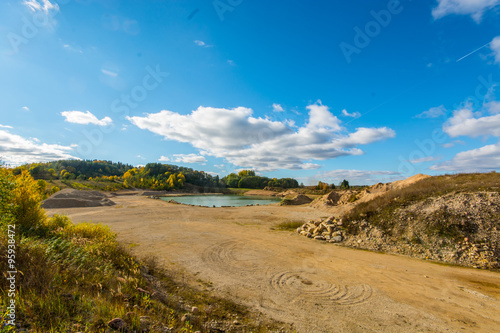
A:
365, 90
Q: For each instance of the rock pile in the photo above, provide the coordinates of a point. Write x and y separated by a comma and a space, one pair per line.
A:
329, 230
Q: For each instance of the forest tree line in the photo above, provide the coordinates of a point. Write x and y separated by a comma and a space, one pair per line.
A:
156, 176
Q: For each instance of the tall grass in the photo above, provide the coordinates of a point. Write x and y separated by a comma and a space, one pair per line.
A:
78, 277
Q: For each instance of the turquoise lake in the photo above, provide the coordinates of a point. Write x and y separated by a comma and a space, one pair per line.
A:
223, 200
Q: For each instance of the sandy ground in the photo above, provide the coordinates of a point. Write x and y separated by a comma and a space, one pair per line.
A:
317, 286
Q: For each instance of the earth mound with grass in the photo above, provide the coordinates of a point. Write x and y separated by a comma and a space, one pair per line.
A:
453, 219
69, 198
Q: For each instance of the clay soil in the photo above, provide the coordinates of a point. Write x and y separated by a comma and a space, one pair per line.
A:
318, 287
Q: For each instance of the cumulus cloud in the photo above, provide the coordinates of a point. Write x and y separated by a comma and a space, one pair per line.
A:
474, 8
278, 108
184, 158
361, 177
353, 114
16, 150
434, 112
482, 159
85, 118
262, 144
5, 126
465, 123
495, 47
41, 6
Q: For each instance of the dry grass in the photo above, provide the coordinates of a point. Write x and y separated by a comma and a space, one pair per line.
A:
78, 277
380, 208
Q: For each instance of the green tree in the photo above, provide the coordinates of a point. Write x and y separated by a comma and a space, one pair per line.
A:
246, 173
344, 185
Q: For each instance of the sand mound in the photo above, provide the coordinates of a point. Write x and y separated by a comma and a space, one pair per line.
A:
69, 198
339, 198
408, 181
288, 193
330, 199
299, 199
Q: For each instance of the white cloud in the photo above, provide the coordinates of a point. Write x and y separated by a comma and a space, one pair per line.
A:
495, 47
482, 159
464, 122
493, 107
5, 126
424, 159
16, 150
353, 114
85, 118
25, 108
41, 6
231, 62
361, 177
72, 48
261, 144
474, 8
278, 108
201, 43
434, 112
364, 136
184, 158
109, 72
452, 144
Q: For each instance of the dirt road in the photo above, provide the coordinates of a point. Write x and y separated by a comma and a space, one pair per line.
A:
319, 287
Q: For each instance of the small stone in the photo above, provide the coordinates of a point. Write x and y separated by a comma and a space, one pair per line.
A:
309, 235
336, 239
236, 322
319, 238
195, 310
117, 324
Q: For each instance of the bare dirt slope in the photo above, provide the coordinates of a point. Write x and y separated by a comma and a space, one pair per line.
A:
319, 287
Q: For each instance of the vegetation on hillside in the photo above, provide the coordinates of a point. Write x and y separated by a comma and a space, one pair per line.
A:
77, 277
110, 176
379, 208
248, 179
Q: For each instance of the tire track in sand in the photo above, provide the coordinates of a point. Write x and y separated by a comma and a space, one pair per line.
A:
304, 286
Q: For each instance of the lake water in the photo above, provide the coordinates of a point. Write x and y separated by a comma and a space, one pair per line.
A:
223, 200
